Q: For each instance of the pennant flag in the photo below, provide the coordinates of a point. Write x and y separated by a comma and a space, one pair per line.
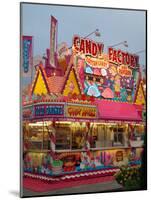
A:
53, 40
140, 96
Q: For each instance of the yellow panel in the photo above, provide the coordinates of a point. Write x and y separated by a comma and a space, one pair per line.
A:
40, 87
140, 99
71, 85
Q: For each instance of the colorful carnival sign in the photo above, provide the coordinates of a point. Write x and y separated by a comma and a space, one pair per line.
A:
123, 58
97, 62
124, 71
81, 111
48, 110
26, 53
87, 46
108, 76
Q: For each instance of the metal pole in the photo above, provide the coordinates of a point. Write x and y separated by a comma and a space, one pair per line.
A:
90, 34
124, 43
142, 51
97, 30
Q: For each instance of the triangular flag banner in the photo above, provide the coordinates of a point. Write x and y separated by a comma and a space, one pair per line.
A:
140, 98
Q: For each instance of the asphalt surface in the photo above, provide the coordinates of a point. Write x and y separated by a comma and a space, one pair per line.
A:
90, 188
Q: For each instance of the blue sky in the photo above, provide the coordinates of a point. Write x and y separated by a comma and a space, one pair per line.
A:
115, 26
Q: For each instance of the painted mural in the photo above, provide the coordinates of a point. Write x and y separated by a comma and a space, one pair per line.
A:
107, 80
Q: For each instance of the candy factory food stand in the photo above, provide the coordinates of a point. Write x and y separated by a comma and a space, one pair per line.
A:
68, 131
80, 145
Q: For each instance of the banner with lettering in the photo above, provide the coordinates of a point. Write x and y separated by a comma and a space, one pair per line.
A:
48, 110
53, 36
27, 43
81, 112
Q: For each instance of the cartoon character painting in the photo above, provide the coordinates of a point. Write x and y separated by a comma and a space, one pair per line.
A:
117, 85
129, 94
113, 70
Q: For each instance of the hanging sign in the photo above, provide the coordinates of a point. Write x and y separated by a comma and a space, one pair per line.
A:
81, 111
26, 54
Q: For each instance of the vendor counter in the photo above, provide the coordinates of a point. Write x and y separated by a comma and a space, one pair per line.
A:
41, 162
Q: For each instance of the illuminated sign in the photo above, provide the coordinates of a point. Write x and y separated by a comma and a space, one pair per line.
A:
105, 75
48, 110
81, 112
87, 46
124, 71
90, 48
124, 58
96, 62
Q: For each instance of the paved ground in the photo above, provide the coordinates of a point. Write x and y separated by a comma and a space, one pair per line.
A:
99, 187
